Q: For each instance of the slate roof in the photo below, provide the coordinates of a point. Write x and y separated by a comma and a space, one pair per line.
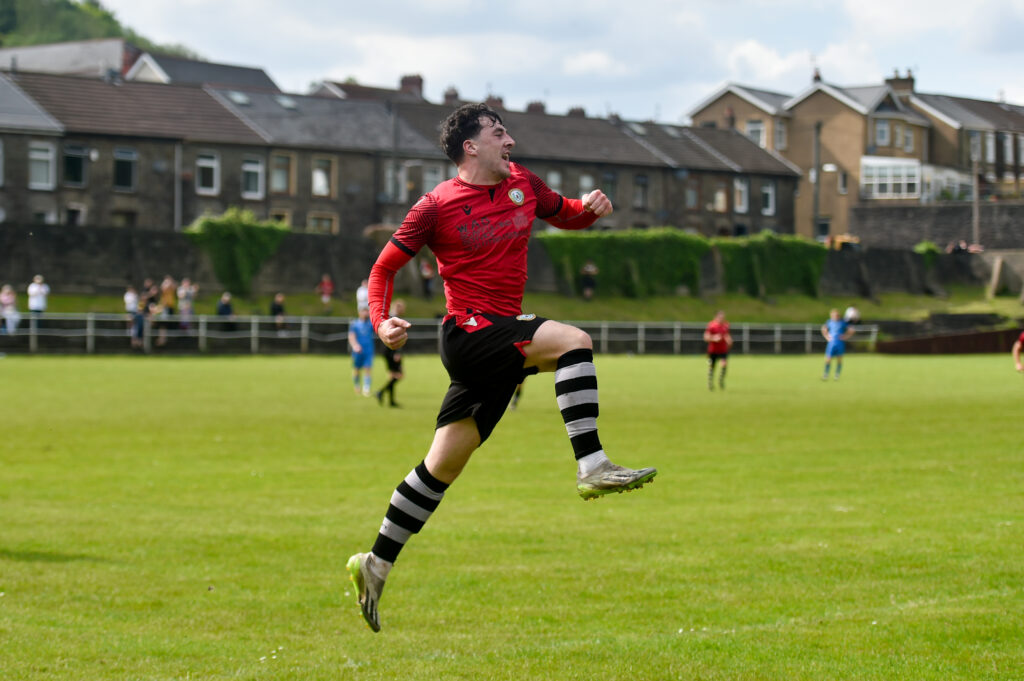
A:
772, 102
977, 114
19, 112
325, 122
89, 105
547, 136
715, 150
181, 70
368, 92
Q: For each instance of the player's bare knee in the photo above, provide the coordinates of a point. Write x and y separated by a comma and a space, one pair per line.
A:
579, 339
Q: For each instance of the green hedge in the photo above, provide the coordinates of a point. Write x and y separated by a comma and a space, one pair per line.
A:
632, 263
656, 261
238, 244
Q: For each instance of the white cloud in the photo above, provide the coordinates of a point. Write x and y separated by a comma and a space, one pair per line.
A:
592, 62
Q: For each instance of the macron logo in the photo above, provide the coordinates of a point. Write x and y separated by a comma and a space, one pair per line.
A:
470, 322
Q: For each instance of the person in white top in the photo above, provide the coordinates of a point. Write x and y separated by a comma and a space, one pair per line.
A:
38, 290
363, 296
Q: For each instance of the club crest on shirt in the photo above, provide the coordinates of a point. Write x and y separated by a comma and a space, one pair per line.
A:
517, 196
526, 317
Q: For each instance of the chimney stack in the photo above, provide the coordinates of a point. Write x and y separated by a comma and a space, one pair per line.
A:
577, 112
495, 102
451, 96
902, 86
535, 108
817, 75
412, 84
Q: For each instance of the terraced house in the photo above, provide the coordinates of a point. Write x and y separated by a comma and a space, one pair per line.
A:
158, 149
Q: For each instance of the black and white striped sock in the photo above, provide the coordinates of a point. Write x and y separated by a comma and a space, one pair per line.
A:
412, 503
576, 391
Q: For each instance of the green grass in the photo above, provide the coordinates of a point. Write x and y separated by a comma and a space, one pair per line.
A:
782, 309
172, 519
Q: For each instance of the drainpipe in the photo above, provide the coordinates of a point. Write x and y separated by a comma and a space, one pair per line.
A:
177, 187
816, 179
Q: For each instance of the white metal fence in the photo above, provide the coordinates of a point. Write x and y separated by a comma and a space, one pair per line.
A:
96, 333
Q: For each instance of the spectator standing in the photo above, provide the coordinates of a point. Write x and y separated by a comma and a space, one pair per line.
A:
186, 301
363, 296
169, 295
326, 290
227, 311
38, 292
427, 278
277, 312
588, 279
131, 300
9, 309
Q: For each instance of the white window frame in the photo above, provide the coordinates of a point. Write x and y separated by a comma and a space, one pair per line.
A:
254, 166
641, 191
1008, 149
882, 137
908, 139
741, 195
974, 145
842, 182
208, 159
43, 152
990, 147
768, 192
80, 152
131, 156
391, 184
315, 188
433, 175
879, 177
289, 180
554, 181
756, 126
781, 134
586, 184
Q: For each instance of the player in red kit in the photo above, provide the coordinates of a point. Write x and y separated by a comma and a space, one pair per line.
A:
719, 340
1016, 353
478, 225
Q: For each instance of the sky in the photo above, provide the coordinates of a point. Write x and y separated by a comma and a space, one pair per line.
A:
639, 59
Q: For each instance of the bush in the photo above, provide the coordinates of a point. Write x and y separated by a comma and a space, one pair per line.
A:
631, 263
658, 261
238, 244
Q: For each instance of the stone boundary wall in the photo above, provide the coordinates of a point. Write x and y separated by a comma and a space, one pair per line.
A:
105, 260
1001, 224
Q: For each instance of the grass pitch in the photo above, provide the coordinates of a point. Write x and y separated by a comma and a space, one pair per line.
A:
172, 519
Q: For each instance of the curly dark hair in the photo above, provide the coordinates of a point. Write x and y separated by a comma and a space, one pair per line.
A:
463, 124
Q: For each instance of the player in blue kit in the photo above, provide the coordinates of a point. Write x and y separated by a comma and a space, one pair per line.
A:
360, 338
836, 331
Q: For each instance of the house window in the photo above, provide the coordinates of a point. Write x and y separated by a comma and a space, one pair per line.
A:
323, 176
253, 181
554, 181
74, 215
843, 182
282, 215
741, 194
975, 143
126, 163
891, 180
908, 139
395, 184
882, 133
1020, 158
42, 169
322, 223
208, 174
433, 175
990, 147
586, 184
721, 202
609, 182
692, 195
74, 165
282, 174
780, 134
1007, 150
640, 191
768, 197
897, 134
755, 131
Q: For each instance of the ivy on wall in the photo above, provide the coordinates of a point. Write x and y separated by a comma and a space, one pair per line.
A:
661, 260
238, 244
